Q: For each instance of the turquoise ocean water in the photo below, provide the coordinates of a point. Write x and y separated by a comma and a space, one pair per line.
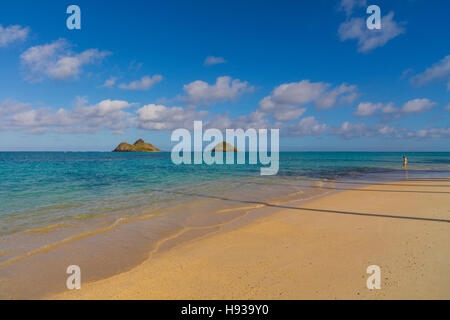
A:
41, 188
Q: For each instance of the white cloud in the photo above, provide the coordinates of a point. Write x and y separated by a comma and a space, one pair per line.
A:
339, 95
12, 33
109, 83
417, 106
225, 89
389, 109
211, 60
287, 113
285, 100
350, 130
159, 117
307, 127
447, 107
255, 120
438, 71
143, 84
365, 109
390, 112
426, 133
297, 93
349, 5
107, 114
385, 130
368, 40
40, 118
112, 115
135, 66
10, 106
56, 61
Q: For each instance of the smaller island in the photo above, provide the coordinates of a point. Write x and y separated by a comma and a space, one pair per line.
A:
224, 147
138, 146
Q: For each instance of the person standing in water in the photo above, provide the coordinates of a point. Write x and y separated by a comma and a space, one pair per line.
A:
405, 161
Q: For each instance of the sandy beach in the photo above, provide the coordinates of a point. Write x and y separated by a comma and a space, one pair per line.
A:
318, 250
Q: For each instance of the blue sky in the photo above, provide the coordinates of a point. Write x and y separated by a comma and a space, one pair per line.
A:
141, 69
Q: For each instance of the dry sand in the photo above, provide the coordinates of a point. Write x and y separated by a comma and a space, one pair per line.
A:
308, 254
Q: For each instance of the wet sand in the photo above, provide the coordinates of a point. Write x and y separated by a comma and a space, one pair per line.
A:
314, 250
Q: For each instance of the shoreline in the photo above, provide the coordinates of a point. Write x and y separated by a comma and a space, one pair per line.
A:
286, 255
25, 275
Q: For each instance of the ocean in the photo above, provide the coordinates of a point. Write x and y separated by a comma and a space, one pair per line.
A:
79, 200
42, 188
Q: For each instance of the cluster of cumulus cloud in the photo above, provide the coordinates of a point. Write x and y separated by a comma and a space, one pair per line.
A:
82, 118
283, 108
58, 61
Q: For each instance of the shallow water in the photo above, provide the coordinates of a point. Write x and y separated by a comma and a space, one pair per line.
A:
40, 189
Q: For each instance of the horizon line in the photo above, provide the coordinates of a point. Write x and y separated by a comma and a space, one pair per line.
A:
287, 151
